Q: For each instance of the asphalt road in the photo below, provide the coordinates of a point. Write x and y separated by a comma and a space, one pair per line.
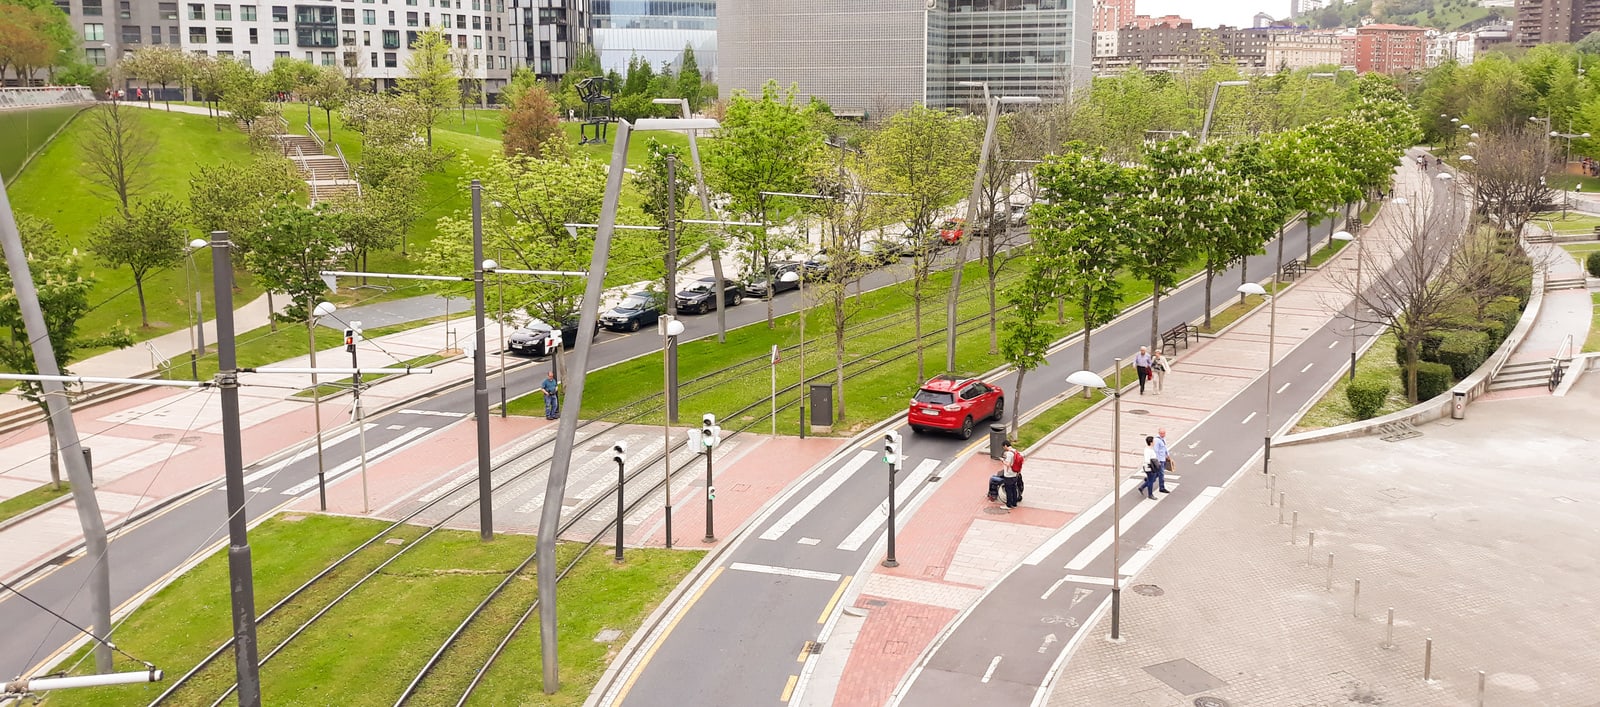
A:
153, 547
737, 643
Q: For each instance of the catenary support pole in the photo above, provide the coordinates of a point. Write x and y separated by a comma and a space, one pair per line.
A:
969, 230
672, 287
566, 432
1116, 504
60, 411
480, 375
316, 411
621, 505
240, 580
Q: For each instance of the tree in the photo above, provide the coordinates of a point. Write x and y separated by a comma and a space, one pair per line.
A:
1507, 176
1079, 231
369, 220
288, 76
393, 157
651, 181
288, 254
147, 237
927, 155
690, 81
1027, 336
116, 152
243, 94
327, 90
531, 121
1248, 215
24, 46
1170, 218
208, 75
64, 299
161, 65
236, 197
765, 144
431, 78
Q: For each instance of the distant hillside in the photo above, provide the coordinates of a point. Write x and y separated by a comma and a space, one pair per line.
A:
1450, 15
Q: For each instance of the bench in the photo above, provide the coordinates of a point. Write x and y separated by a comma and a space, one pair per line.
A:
1179, 334
1293, 269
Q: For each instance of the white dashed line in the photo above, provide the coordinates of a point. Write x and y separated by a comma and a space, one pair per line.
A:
785, 571
1247, 419
1202, 458
990, 672
1283, 388
1308, 367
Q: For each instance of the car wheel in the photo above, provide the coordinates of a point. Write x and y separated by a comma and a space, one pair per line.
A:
917, 430
633, 325
737, 298
999, 409
966, 428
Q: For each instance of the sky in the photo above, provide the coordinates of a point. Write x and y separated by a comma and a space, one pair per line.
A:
1210, 13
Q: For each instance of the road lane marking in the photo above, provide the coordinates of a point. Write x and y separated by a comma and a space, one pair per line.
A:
1104, 541
1308, 367
816, 497
1045, 645
1170, 531
992, 665
434, 413
785, 571
1084, 579
1247, 419
1078, 523
805, 652
651, 653
374, 456
306, 453
809, 541
1052, 589
828, 609
1282, 388
1332, 344
879, 516
1202, 458
788, 689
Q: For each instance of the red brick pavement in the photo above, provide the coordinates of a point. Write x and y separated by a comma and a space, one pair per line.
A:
890, 641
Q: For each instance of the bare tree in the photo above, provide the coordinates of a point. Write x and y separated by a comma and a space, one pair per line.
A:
116, 151
1507, 176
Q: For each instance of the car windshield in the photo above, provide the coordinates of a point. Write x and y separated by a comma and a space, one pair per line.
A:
934, 397
699, 287
634, 302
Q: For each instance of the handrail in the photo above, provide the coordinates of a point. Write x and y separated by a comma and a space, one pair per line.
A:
314, 136
283, 123
1563, 356
313, 180
352, 175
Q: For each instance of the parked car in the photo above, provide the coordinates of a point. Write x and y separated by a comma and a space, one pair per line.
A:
696, 297
954, 404
951, 231
537, 338
758, 288
636, 310
882, 251
817, 267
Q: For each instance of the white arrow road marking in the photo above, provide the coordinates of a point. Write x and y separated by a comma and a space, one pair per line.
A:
302, 454
434, 413
1079, 594
992, 665
880, 515
1194, 444
373, 456
1047, 641
804, 508
1247, 419
1104, 541
1202, 458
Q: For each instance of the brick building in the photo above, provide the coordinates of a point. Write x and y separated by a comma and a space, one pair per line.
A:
1390, 49
1552, 21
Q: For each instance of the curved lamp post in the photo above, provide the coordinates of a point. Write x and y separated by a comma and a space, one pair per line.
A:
1091, 380
670, 329
322, 309
1355, 301
1252, 288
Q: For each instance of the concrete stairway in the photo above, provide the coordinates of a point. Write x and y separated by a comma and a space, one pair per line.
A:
1576, 282
1528, 374
326, 175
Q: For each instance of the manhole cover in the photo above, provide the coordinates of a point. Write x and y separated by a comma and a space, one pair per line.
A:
191, 438
1138, 411
1210, 702
163, 435
875, 602
1148, 590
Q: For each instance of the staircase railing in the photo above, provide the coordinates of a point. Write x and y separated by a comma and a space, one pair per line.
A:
1558, 362
348, 174
283, 124
314, 136
301, 155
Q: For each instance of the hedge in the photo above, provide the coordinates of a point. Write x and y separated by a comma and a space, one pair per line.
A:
1432, 379
1464, 350
1594, 263
1366, 397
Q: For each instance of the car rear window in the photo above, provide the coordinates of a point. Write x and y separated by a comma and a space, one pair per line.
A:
934, 397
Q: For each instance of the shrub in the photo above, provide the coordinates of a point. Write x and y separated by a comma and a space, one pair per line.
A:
1366, 397
1463, 351
1432, 379
1594, 263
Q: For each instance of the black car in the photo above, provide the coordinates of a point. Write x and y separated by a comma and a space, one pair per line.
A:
695, 298
882, 251
535, 338
775, 275
637, 310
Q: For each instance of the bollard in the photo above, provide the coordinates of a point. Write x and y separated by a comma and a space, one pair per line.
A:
1330, 571
1294, 520
1311, 549
1427, 660
1272, 487
1480, 688
1280, 508
1388, 637
1355, 603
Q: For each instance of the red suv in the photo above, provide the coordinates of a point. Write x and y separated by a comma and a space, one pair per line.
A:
951, 231
953, 404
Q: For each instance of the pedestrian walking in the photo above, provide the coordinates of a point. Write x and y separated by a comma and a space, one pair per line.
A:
1148, 488
1141, 363
552, 401
1158, 368
1163, 459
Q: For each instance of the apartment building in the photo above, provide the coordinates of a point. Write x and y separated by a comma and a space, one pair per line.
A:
1390, 49
110, 28
550, 33
1553, 21
1303, 50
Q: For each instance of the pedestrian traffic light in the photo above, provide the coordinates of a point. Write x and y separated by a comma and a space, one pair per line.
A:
710, 433
350, 340
619, 452
891, 449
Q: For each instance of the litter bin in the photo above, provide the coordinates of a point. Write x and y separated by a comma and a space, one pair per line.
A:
821, 405
997, 441
1458, 404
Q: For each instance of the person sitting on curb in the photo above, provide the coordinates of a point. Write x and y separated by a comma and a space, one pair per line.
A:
1009, 477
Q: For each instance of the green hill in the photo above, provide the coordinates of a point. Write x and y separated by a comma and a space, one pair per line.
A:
1450, 15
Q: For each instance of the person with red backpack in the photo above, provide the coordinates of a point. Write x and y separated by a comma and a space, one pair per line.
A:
1009, 477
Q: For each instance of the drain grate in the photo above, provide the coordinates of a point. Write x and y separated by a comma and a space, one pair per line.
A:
1209, 701
1148, 590
812, 648
1138, 411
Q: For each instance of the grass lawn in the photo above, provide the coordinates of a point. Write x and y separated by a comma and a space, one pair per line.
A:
1592, 344
1581, 251
29, 500
54, 188
26, 131
343, 384
1369, 213
1569, 182
1572, 222
1376, 364
1329, 249
443, 580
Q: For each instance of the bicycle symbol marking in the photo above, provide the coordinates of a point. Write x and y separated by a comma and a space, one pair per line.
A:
1067, 621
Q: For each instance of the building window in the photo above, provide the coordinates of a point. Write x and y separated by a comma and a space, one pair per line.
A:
461, 21
348, 37
197, 35
389, 61
172, 34
477, 42
280, 36
502, 45
477, 22
411, 40
155, 35
96, 57
197, 12
94, 32
350, 59
391, 39
92, 8
224, 13
309, 58
474, 61
347, 16
123, 11
366, 39
224, 35
411, 19
253, 36
132, 34
280, 13
374, 60
427, 19
224, 53
245, 56
168, 10
369, 17
475, 4
280, 55
247, 13
327, 59
444, 21
391, 18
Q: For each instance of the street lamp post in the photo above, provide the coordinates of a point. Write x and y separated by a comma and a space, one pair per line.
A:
670, 329
1355, 302
705, 208
993, 107
1091, 380
1567, 155
1546, 122
1211, 108
322, 309
197, 335
1251, 288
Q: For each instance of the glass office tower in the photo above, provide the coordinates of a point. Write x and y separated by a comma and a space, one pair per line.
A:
656, 31
1019, 47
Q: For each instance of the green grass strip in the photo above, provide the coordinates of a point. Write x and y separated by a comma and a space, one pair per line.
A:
29, 500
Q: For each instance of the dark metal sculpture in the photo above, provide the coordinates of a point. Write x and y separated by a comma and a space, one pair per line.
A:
596, 93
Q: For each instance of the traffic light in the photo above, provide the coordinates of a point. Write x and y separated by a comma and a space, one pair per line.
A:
710, 433
350, 340
619, 452
891, 449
